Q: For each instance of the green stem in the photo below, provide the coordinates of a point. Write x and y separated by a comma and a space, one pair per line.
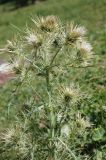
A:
48, 70
47, 79
52, 119
54, 56
51, 115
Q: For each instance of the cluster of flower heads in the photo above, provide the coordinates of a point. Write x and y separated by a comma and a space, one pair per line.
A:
49, 32
39, 47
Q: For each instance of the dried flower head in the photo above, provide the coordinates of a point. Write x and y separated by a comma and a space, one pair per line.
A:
85, 47
20, 65
33, 40
85, 50
82, 122
71, 94
74, 33
48, 23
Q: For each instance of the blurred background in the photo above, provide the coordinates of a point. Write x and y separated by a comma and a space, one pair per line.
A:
16, 14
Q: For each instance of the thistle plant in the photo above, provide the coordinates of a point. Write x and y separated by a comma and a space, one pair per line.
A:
50, 124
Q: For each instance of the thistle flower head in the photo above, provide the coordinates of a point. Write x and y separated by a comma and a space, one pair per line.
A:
48, 23
85, 47
33, 40
85, 50
71, 94
20, 64
59, 39
82, 122
13, 67
77, 31
73, 33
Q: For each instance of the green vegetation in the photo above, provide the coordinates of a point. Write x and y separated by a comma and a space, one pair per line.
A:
92, 15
